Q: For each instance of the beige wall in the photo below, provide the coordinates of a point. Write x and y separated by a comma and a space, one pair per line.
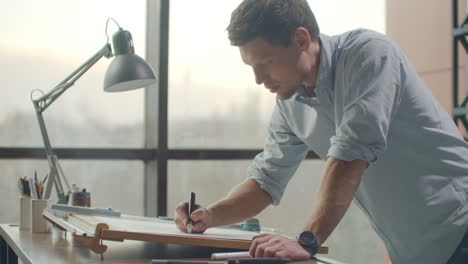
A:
422, 28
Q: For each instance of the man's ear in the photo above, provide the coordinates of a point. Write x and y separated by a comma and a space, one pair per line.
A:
302, 38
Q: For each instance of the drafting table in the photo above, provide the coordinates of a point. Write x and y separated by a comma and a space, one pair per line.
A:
94, 230
56, 248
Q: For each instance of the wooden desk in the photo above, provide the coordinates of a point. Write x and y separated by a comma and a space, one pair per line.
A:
55, 248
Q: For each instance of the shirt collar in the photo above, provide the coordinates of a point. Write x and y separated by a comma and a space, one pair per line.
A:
327, 46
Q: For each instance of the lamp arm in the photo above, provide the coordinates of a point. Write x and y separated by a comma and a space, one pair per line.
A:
47, 99
41, 104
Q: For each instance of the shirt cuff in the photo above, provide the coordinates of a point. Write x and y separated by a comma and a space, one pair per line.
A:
267, 184
347, 150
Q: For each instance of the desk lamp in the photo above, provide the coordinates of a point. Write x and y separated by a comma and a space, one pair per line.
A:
126, 72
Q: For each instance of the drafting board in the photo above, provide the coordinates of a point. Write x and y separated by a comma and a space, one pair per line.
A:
90, 230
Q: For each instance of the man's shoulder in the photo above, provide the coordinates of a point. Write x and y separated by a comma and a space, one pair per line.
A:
361, 37
364, 42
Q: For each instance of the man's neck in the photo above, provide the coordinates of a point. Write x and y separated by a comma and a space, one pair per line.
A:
312, 76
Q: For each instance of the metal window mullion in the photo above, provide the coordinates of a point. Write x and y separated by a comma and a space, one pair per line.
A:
454, 56
156, 113
163, 109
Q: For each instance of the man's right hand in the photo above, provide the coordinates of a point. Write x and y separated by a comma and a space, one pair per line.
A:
200, 218
244, 201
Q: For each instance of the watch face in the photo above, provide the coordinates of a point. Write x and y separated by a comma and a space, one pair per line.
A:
308, 241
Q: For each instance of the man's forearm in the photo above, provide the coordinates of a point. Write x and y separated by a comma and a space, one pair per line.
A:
339, 183
245, 200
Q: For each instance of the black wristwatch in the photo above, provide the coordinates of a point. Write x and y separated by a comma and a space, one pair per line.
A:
309, 242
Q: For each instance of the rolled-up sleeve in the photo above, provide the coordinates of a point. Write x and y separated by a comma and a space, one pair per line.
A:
367, 101
283, 152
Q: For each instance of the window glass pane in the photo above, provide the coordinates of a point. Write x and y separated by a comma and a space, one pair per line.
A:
112, 184
44, 42
213, 98
353, 241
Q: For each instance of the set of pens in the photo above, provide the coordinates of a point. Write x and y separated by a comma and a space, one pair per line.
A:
32, 187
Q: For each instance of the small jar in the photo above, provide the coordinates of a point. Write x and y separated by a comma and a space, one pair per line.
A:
82, 198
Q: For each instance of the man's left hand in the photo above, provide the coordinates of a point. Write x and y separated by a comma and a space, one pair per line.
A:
268, 245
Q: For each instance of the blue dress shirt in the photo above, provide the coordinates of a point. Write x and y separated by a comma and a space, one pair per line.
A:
369, 104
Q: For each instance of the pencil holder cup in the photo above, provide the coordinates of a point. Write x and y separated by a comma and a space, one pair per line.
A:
24, 212
38, 223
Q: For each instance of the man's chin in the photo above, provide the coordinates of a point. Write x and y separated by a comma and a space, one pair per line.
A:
285, 96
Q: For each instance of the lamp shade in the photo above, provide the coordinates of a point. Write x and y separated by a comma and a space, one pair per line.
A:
127, 71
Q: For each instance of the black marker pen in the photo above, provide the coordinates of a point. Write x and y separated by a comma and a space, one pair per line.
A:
191, 208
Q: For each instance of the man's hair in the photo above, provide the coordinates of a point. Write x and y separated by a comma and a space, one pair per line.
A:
273, 20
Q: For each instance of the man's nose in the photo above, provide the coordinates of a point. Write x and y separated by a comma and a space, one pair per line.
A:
259, 76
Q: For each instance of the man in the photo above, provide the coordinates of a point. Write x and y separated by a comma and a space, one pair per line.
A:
356, 101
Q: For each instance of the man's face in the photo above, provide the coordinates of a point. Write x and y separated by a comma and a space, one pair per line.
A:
277, 67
